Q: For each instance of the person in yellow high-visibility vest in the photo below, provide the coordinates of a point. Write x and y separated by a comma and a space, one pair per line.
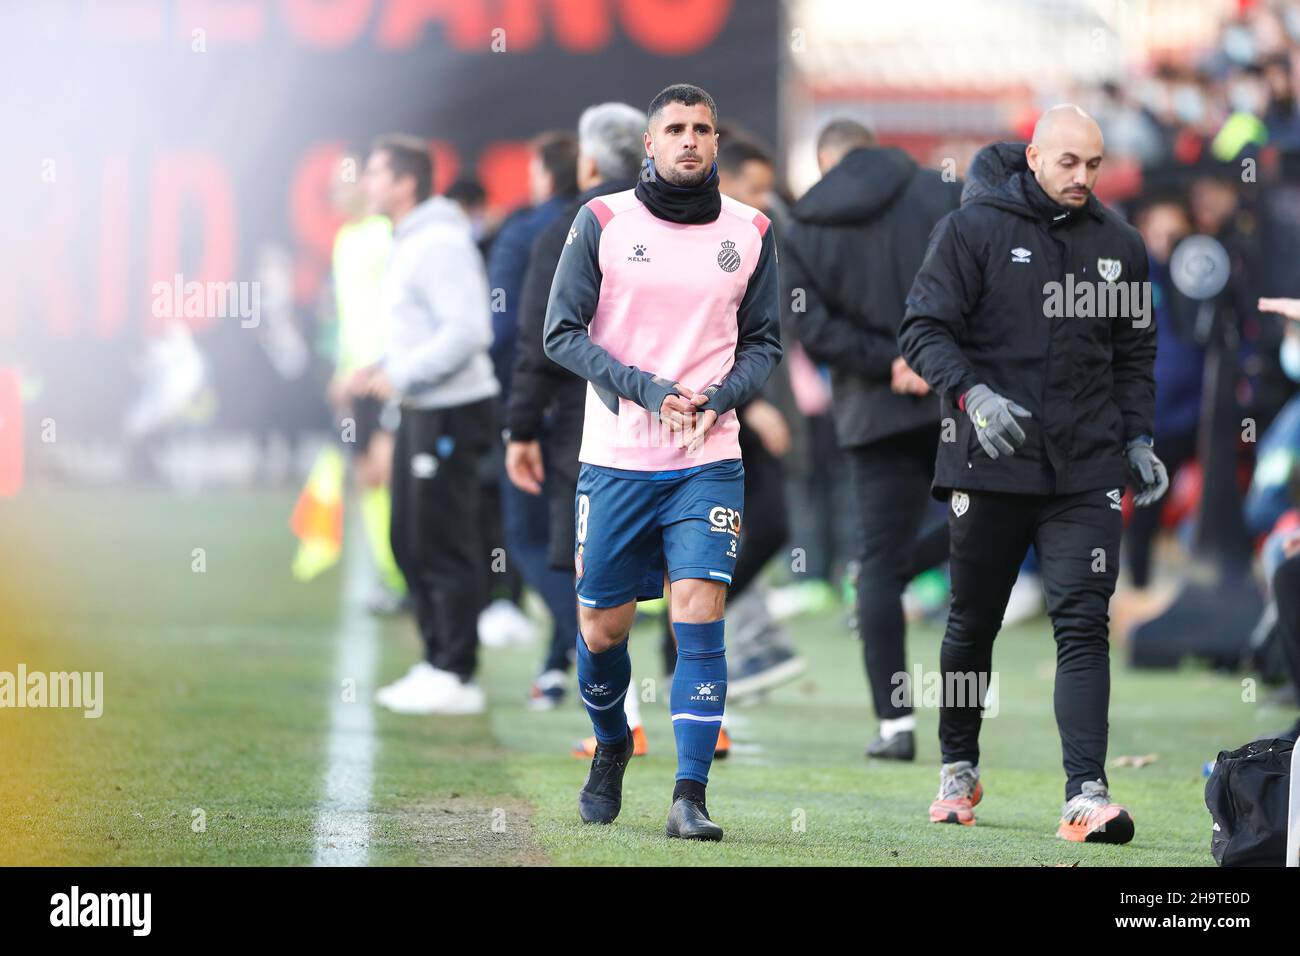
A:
361, 248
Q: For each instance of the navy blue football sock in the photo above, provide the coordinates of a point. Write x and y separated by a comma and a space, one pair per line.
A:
698, 697
603, 681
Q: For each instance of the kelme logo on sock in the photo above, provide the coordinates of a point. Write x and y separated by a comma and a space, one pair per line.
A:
705, 692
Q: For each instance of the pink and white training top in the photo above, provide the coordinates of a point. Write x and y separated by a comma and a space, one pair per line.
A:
639, 304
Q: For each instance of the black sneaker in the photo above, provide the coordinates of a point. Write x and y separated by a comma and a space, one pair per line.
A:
601, 796
901, 746
688, 820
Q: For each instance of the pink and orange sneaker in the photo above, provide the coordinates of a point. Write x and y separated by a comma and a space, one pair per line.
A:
959, 791
1090, 817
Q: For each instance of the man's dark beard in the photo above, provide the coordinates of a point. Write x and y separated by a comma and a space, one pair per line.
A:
687, 179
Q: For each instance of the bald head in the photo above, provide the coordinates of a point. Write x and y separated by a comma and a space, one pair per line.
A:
1066, 154
1066, 120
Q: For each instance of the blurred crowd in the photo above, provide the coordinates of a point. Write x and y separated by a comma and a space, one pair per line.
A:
1210, 145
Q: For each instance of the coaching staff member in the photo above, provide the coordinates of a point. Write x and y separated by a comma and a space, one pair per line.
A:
856, 241
1050, 414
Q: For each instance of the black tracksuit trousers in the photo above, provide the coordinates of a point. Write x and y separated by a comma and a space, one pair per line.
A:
1077, 537
436, 529
891, 479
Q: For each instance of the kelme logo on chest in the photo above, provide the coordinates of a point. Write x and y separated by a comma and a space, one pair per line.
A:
728, 258
638, 253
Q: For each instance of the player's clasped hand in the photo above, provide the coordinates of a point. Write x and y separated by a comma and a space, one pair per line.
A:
1150, 472
678, 411
995, 422
681, 414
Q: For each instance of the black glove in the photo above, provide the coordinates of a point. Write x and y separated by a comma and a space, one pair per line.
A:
995, 426
1149, 471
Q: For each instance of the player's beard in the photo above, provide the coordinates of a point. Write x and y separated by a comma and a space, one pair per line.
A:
686, 178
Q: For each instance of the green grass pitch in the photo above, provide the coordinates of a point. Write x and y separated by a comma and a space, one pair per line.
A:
218, 692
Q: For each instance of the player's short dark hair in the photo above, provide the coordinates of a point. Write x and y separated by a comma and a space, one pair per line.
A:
408, 156
558, 152
844, 134
683, 93
737, 150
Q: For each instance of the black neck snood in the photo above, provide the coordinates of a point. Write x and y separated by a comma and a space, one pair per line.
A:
689, 205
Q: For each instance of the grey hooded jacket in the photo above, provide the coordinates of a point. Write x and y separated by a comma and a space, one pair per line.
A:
436, 302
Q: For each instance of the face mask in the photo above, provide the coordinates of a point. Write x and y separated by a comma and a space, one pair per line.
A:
1290, 357
1238, 45
1154, 95
1291, 17
1244, 99
1188, 105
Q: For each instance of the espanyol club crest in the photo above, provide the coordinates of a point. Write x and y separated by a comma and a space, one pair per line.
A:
960, 502
729, 258
1109, 269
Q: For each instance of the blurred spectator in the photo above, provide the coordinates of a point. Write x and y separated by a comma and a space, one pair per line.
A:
501, 618
858, 237
436, 365
1271, 492
361, 247
552, 178
1286, 591
544, 417
552, 184
762, 655
1179, 367
471, 197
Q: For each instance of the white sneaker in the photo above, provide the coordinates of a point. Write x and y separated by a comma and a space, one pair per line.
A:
792, 600
458, 698
421, 677
444, 694
501, 624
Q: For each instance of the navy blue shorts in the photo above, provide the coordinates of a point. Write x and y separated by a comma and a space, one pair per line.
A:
632, 526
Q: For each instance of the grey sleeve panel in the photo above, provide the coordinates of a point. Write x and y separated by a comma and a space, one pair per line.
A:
575, 293
758, 342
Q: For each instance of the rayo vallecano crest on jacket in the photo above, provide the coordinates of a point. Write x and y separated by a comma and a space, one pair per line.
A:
668, 302
1047, 306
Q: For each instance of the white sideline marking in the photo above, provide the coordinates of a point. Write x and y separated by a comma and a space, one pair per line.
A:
343, 821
